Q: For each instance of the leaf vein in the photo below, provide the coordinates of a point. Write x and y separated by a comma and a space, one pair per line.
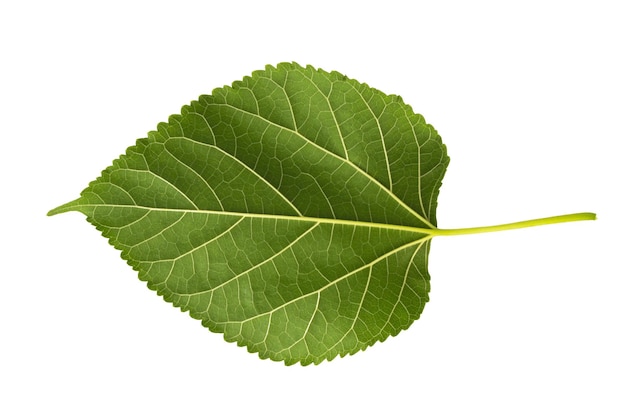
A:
256, 266
211, 190
260, 177
382, 138
350, 163
157, 176
159, 233
330, 284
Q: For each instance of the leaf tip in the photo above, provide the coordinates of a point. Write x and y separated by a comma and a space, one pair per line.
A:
63, 208
54, 211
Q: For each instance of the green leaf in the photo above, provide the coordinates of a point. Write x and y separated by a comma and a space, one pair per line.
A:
292, 212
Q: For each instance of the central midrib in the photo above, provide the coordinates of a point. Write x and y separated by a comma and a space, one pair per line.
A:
322, 220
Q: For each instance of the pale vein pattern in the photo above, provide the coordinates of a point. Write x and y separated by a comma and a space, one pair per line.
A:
260, 210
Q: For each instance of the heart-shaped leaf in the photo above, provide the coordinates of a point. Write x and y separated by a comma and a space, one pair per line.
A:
292, 212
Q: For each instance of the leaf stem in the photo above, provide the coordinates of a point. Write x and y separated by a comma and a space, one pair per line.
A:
517, 225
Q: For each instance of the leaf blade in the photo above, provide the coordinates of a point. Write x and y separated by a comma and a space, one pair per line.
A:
291, 212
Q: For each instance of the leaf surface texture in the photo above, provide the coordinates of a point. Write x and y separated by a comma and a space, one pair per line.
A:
289, 211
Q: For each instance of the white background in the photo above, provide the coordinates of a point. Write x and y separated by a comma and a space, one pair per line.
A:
529, 98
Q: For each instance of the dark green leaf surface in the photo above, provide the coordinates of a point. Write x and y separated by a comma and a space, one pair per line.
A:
290, 212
